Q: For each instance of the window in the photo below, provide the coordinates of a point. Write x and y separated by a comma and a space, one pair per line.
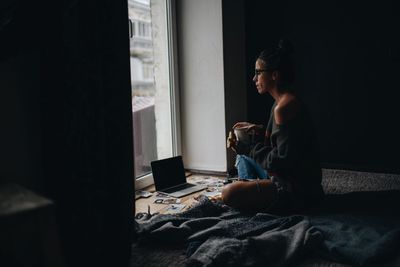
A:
154, 92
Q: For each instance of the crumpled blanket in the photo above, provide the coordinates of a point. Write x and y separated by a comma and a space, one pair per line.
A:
217, 235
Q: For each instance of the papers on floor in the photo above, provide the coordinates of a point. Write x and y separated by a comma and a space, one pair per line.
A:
141, 193
214, 185
174, 208
208, 181
167, 201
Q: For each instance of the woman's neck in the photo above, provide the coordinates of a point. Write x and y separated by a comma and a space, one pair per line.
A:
277, 94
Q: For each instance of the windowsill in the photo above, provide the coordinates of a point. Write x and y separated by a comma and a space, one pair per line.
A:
144, 181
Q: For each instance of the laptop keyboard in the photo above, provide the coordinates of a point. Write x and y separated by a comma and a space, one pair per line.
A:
178, 188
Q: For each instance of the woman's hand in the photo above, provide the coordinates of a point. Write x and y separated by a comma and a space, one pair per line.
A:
231, 141
257, 128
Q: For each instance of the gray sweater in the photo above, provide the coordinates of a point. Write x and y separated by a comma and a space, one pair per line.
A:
292, 153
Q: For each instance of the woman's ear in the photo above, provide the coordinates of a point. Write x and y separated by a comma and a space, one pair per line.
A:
276, 75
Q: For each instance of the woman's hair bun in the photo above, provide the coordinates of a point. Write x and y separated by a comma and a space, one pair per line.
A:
285, 47
280, 58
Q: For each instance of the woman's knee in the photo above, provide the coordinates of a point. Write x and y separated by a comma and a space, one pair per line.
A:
226, 194
249, 195
230, 194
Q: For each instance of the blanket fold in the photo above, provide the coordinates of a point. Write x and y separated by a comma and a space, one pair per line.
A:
216, 235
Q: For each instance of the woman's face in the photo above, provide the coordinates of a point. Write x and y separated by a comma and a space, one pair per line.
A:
263, 79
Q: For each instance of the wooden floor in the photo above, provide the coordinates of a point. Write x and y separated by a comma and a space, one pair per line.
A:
148, 205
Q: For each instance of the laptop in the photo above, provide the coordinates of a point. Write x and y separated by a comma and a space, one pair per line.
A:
169, 177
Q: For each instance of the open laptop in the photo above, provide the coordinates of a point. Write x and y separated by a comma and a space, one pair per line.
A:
169, 177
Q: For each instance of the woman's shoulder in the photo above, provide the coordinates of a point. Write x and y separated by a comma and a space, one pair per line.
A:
287, 108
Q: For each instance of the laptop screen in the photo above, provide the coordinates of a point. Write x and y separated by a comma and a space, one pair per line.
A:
168, 172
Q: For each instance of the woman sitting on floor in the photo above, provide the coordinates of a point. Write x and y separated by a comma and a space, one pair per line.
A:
283, 172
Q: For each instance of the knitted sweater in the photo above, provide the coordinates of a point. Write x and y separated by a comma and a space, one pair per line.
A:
291, 152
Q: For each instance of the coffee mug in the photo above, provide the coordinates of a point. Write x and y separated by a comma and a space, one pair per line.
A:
244, 136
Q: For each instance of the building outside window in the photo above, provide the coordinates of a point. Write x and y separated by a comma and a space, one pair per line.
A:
153, 92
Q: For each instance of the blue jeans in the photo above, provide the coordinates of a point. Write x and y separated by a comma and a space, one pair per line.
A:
249, 169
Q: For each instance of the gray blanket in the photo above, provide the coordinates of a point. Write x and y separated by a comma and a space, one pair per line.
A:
217, 235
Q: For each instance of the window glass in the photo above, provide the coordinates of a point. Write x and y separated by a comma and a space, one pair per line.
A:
151, 90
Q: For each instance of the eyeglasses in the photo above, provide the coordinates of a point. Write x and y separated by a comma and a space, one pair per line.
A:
259, 71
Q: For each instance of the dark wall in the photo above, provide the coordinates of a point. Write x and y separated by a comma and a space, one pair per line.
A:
66, 104
20, 142
234, 67
347, 60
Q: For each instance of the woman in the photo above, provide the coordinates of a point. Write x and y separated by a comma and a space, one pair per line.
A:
289, 155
